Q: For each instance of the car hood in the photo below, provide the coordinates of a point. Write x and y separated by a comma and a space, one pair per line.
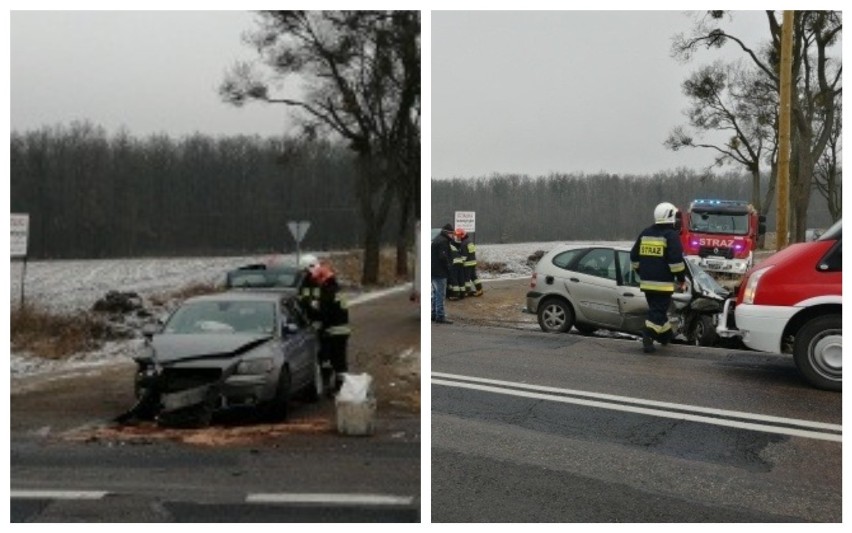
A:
170, 347
704, 285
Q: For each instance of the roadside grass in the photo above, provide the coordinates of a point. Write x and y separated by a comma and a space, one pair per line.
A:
349, 267
41, 333
55, 336
49, 335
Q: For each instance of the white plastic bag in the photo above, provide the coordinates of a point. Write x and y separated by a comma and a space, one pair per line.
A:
356, 388
356, 405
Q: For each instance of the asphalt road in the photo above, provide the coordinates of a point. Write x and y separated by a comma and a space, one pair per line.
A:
70, 463
532, 427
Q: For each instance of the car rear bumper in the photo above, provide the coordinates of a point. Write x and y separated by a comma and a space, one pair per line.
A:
533, 299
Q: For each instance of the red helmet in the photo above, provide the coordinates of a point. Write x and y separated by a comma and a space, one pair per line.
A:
460, 233
321, 274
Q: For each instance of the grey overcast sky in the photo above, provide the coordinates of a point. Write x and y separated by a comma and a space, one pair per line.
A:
569, 91
148, 71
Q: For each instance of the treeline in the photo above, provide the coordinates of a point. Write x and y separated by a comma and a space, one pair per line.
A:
516, 208
90, 195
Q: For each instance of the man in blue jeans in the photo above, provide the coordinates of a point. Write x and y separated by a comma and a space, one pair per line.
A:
440, 272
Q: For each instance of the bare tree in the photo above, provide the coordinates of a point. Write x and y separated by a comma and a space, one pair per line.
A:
360, 73
829, 170
728, 99
817, 81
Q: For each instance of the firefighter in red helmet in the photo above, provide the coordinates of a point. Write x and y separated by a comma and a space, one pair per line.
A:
333, 314
456, 286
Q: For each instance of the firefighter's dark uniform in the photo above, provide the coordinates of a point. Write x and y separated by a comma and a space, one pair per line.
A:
657, 255
335, 331
455, 287
472, 285
309, 292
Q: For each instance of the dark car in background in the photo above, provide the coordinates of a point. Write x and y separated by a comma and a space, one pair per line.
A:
237, 348
261, 276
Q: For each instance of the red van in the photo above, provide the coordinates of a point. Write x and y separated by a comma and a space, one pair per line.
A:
792, 303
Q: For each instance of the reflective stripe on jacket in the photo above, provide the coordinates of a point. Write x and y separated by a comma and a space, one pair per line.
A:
658, 257
471, 255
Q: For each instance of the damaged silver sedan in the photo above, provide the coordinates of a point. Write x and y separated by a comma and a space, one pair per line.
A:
225, 350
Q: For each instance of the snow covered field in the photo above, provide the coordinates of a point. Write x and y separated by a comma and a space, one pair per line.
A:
72, 286
515, 256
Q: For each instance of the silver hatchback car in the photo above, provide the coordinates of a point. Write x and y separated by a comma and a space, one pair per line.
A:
589, 288
594, 287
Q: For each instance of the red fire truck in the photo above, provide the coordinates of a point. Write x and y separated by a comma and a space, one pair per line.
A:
721, 235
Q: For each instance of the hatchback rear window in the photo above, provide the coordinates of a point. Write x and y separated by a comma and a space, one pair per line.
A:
564, 259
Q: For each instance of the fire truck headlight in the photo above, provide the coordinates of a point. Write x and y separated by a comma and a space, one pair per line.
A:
750, 291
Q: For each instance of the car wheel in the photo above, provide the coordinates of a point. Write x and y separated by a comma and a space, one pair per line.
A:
279, 407
817, 351
703, 332
584, 329
316, 387
555, 316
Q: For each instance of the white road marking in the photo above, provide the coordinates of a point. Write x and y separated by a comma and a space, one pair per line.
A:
58, 494
320, 498
497, 386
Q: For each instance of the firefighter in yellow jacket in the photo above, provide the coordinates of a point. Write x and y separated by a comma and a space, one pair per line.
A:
456, 288
472, 283
658, 257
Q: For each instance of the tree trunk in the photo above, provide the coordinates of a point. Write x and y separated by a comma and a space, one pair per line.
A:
403, 239
373, 185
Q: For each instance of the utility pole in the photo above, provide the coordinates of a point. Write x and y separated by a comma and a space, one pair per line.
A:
785, 100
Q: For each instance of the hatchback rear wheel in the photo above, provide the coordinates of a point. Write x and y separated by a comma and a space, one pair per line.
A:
555, 316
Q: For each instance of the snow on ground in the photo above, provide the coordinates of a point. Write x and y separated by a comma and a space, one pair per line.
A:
515, 256
75, 285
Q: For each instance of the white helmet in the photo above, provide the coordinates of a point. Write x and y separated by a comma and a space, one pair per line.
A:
665, 213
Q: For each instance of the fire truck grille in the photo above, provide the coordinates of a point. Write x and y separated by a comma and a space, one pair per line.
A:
727, 253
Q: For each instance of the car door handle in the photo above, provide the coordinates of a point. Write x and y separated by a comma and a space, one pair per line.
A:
630, 294
575, 280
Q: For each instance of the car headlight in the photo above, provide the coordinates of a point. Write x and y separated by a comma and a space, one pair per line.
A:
255, 366
751, 285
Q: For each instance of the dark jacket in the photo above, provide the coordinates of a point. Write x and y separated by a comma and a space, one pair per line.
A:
658, 257
441, 256
333, 311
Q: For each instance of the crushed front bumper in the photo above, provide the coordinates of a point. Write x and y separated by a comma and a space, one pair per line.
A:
727, 327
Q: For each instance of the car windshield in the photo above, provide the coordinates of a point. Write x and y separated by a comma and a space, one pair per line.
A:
223, 317
258, 278
727, 223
